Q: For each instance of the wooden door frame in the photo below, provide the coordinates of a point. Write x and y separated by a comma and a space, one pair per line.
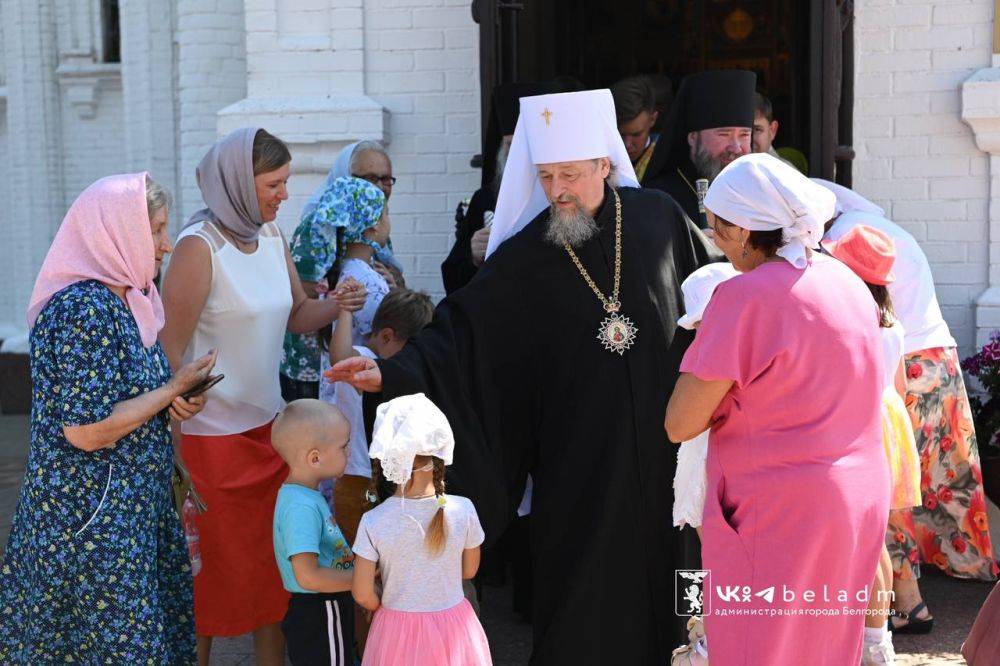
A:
497, 21
831, 89
831, 76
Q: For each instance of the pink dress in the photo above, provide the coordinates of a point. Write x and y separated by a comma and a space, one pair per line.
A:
798, 483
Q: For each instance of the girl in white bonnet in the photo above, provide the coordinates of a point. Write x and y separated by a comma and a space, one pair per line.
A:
422, 541
689, 479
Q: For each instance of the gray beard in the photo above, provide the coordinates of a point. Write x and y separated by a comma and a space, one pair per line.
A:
569, 228
705, 164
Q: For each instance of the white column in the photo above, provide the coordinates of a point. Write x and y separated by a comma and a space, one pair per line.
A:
981, 110
35, 207
211, 74
148, 88
305, 84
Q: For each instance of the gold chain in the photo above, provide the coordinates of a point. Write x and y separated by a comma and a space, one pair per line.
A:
611, 304
686, 181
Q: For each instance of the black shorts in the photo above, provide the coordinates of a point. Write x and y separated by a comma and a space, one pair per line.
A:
319, 629
293, 389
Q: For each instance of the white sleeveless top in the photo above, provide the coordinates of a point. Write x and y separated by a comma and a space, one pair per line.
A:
245, 318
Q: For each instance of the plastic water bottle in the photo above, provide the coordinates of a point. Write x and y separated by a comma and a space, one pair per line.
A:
191, 535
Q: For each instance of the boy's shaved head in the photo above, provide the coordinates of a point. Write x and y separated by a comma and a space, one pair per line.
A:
307, 424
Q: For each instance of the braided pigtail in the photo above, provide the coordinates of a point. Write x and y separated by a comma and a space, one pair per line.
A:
436, 535
374, 493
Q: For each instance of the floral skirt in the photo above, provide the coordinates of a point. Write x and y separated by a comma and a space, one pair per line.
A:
949, 529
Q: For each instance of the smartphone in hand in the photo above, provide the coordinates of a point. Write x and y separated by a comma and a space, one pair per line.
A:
202, 386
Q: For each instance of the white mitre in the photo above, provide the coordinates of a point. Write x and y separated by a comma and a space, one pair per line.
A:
565, 127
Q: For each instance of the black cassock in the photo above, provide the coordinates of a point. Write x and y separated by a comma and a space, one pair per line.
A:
458, 268
677, 179
513, 360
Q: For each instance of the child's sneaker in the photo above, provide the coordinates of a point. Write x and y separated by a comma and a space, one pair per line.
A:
877, 654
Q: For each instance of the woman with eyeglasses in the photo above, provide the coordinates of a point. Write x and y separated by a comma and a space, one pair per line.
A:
315, 254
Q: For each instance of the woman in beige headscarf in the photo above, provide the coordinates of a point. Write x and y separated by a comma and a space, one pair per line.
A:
232, 286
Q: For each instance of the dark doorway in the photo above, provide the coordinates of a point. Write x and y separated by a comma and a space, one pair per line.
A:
801, 51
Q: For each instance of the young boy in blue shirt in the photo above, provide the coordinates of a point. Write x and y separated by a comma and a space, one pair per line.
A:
314, 559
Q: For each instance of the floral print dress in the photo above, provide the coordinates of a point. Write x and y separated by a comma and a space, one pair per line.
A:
950, 529
96, 569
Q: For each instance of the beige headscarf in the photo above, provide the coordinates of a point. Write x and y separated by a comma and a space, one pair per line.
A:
225, 177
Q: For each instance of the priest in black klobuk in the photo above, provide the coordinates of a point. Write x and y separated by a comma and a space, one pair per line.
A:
557, 360
706, 104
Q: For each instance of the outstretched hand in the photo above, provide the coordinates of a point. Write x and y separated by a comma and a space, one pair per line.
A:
359, 371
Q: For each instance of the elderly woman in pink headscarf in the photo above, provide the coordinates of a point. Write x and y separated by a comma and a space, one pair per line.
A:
97, 568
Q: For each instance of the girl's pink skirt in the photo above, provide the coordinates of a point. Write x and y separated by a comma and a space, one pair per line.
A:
450, 637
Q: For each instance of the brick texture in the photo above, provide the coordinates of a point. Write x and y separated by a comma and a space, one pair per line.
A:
422, 64
915, 156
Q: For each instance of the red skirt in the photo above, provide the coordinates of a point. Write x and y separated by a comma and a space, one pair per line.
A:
239, 588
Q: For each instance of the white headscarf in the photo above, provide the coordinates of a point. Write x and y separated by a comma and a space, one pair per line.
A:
407, 427
761, 193
565, 127
849, 201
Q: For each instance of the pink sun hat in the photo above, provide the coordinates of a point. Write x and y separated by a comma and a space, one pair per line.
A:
868, 252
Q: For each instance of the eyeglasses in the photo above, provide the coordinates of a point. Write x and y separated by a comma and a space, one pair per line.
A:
375, 179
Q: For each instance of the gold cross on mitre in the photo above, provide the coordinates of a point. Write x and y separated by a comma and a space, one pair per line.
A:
547, 115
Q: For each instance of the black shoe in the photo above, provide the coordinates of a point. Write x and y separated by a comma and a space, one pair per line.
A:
913, 624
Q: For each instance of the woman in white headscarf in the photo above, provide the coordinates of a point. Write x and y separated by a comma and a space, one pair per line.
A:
786, 371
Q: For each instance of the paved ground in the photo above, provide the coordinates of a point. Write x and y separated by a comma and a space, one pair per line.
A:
954, 603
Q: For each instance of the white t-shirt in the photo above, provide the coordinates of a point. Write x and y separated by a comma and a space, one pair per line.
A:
349, 400
377, 289
413, 579
893, 341
913, 296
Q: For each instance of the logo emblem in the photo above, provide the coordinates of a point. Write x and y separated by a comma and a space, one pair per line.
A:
689, 588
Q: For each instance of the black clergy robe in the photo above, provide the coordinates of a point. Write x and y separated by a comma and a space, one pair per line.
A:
669, 180
513, 360
458, 268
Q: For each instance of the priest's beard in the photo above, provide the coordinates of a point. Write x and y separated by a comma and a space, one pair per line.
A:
569, 227
709, 166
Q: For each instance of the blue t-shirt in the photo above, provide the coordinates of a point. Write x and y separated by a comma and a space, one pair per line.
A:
303, 524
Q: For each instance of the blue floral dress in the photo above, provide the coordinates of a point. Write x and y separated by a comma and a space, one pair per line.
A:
96, 569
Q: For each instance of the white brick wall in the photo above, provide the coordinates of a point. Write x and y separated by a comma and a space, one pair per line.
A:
422, 64
92, 147
915, 156
33, 152
211, 74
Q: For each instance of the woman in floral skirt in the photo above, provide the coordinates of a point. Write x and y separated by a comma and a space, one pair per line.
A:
950, 529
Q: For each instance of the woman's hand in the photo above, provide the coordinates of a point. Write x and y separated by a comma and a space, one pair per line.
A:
182, 410
384, 271
350, 295
359, 371
191, 375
